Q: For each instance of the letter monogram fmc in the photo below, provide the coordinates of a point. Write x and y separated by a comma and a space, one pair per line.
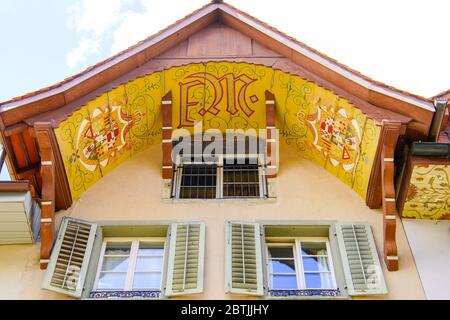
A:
229, 88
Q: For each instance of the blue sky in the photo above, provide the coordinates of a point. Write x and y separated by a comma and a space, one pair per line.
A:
403, 43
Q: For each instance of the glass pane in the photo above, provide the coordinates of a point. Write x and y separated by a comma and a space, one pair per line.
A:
282, 266
115, 264
318, 281
316, 264
281, 252
118, 248
112, 281
151, 249
314, 248
284, 282
147, 281
149, 264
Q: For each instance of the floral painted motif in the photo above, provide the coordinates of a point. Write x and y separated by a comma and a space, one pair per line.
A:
428, 194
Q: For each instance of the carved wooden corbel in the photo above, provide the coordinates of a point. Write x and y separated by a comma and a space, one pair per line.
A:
44, 134
391, 132
167, 163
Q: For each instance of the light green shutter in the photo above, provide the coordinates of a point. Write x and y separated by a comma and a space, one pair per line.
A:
244, 274
66, 271
186, 259
362, 268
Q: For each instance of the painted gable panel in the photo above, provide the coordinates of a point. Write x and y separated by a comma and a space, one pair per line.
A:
428, 194
143, 110
77, 148
320, 125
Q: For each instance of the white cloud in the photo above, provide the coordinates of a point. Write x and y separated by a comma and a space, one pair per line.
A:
93, 21
79, 54
156, 15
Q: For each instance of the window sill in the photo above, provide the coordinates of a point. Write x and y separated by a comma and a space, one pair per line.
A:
222, 201
154, 294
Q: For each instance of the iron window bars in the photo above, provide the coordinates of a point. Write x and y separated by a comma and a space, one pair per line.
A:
226, 177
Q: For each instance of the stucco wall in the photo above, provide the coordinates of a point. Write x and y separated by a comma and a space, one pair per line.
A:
133, 192
430, 241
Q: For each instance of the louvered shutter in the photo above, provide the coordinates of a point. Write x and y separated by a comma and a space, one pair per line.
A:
362, 268
66, 271
244, 273
186, 259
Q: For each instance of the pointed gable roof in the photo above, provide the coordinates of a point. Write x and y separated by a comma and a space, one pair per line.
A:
70, 89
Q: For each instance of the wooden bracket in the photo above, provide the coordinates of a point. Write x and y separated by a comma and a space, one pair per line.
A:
374, 199
392, 131
167, 163
272, 146
44, 132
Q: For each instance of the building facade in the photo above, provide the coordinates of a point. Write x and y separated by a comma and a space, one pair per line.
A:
220, 159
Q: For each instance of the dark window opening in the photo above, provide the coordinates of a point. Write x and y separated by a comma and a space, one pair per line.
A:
241, 180
198, 181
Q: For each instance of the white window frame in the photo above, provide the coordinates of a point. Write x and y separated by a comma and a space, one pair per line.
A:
132, 263
220, 160
295, 243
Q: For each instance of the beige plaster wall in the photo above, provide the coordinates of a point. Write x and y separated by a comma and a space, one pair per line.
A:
134, 192
430, 245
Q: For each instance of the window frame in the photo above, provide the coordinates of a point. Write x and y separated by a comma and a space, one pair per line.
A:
295, 243
220, 163
130, 274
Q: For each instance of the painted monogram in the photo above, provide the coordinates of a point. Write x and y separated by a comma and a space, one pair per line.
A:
230, 89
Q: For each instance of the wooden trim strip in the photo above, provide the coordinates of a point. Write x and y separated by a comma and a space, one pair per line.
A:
14, 186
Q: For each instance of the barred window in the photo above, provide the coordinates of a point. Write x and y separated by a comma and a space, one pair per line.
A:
227, 178
198, 181
241, 180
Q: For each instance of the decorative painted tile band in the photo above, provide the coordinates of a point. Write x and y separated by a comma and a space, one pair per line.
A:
304, 293
155, 294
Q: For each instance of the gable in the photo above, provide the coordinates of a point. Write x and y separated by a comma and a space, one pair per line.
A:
214, 33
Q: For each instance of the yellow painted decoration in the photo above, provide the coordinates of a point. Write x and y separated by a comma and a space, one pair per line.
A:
78, 152
428, 194
325, 128
221, 95
368, 149
143, 97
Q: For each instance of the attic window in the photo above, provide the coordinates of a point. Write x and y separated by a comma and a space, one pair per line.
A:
225, 178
